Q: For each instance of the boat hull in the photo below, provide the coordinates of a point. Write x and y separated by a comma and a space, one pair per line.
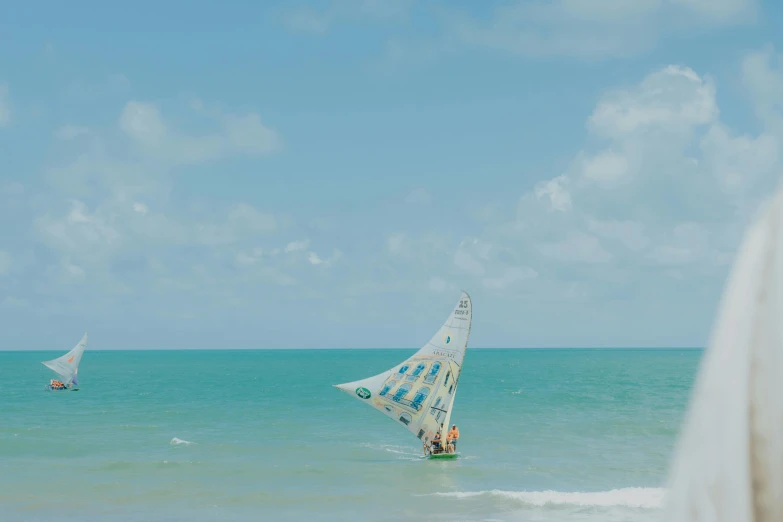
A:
443, 456
51, 388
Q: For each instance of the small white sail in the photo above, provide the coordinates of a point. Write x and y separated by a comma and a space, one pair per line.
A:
67, 366
728, 466
418, 393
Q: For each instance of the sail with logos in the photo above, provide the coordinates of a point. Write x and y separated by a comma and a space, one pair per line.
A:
418, 393
67, 367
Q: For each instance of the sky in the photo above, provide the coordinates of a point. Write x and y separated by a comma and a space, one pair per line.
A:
291, 174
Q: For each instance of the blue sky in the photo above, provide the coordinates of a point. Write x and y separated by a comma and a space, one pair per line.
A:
332, 173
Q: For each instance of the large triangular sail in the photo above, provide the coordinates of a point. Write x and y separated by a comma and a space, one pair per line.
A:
419, 392
67, 366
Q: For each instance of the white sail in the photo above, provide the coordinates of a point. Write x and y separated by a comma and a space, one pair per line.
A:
418, 393
67, 366
728, 466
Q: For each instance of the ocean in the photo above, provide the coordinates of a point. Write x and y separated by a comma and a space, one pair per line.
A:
234, 435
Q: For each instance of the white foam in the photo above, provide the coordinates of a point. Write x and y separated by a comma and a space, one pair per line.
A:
176, 442
646, 498
399, 450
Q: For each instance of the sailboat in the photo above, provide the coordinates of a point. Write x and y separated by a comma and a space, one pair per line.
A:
67, 367
418, 393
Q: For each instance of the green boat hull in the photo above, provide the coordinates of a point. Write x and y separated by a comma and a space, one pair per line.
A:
443, 456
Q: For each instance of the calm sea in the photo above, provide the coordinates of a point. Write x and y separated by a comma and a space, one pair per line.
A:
546, 435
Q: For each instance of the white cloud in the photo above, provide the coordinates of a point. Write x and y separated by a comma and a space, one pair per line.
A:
661, 188
5, 106
143, 122
81, 229
140, 208
605, 167
762, 76
69, 132
739, 162
5, 263
687, 243
74, 272
596, 29
719, 11
294, 246
556, 191
315, 260
674, 98
237, 134
418, 196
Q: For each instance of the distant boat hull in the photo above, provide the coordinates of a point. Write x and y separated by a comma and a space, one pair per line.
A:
52, 388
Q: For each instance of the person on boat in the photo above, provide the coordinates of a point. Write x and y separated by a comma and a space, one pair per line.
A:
452, 438
436, 443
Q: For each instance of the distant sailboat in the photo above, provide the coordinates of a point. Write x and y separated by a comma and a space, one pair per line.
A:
67, 367
431, 376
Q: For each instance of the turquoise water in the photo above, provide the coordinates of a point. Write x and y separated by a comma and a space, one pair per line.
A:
547, 435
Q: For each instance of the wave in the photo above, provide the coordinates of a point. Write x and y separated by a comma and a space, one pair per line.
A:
176, 442
645, 498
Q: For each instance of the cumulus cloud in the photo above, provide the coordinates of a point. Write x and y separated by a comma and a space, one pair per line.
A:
294, 246
140, 208
762, 76
673, 99
555, 191
662, 187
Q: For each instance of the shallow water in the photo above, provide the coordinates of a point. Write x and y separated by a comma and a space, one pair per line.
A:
546, 435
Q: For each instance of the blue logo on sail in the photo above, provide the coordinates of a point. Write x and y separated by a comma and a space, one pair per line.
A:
447, 340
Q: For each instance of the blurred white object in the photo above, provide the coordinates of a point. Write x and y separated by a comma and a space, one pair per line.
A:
728, 465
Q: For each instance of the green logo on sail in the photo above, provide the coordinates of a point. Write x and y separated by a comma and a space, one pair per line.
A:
363, 393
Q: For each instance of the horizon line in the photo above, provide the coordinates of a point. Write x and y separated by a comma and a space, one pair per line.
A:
354, 348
